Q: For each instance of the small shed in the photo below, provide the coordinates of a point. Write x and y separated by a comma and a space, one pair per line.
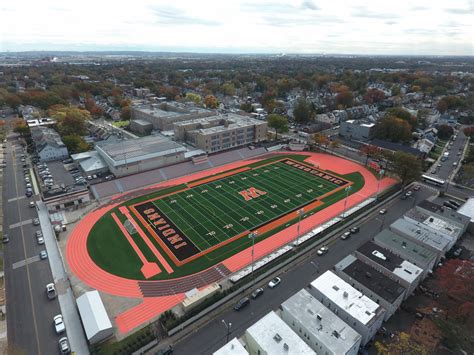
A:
94, 317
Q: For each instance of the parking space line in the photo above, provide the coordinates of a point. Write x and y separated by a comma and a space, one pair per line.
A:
21, 263
19, 224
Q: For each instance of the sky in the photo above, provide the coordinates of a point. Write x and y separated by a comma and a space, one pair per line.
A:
407, 27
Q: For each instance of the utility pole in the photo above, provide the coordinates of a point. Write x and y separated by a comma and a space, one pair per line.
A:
252, 236
228, 326
300, 214
348, 188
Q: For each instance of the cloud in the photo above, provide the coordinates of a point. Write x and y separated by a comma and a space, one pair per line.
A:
364, 12
391, 22
173, 16
309, 4
458, 11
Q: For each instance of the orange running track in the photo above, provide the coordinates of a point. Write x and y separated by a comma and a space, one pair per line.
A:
84, 267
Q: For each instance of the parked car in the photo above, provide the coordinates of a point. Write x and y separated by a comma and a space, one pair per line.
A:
40, 240
36, 221
43, 255
258, 292
242, 303
38, 234
383, 211
322, 251
64, 347
109, 177
274, 282
167, 351
354, 230
455, 203
346, 235
59, 324
416, 187
51, 291
5, 239
409, 193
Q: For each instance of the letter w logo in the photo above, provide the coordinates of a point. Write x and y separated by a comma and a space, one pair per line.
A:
251, 193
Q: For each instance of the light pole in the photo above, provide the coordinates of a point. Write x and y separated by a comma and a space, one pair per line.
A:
348, 188
381, 172
252, 236
228, 326
300, 214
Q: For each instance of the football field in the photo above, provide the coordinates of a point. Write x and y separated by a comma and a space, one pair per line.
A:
207, 215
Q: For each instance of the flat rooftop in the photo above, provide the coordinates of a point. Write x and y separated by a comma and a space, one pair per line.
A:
405, 247
388, 260
327, 327
135, 150
233, 347
274, 336
454, 216
371, 278
420, 232
234, 121
432, 221
346, 297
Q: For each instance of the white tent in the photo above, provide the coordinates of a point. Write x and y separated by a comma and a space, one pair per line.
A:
94, 317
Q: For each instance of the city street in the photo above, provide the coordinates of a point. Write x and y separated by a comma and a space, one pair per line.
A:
213, 335
29, 312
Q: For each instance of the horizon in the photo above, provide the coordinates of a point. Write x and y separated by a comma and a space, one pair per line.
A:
367, 27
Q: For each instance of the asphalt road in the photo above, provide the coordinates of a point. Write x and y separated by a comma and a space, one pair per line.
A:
213, 335
30, 313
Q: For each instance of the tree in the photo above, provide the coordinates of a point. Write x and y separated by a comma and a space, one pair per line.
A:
370, 151
399, 112
13, 101
247, 107
75, 144
20, 127
344, 96
228, 89
210, 101
393, 128
277, 122
406, 166
70, 120
445, 132
303, 111
404, 345
126, 113
373, 96
320, 140
196, 98
442, 106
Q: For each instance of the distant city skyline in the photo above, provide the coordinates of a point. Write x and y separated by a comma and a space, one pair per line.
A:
375, 27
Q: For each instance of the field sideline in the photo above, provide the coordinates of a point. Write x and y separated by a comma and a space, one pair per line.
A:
214, 224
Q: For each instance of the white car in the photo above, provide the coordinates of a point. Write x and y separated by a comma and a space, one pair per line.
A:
274, 282
322, 251
59, 324
64, 346
40, 240
383, 211
51, 291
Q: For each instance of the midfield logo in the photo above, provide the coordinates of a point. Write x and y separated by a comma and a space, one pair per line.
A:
251, 193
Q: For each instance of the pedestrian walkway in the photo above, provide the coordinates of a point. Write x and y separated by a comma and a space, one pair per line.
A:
22, 223
13, 199
21, 263
66, 299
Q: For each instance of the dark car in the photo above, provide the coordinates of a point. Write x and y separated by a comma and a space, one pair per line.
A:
168, 351
355, 230
258, 292
242, 303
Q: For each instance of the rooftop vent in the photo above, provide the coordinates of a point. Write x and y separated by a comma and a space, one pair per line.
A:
368, 274
336, 334
286, 347
431, 219
368, 313
345, 294
404, 244
277, 337
319, 316
335, 288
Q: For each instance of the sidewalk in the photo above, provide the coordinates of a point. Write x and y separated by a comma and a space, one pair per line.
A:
66, 298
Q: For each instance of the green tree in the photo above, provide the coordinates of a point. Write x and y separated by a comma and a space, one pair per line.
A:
247, 107
277, 122
20, 127
393, 128
406, 166
70, 120
75, 144
445, 131
303, 111
196, 98
228, 89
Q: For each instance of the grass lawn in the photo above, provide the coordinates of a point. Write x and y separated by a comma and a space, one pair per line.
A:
214, 211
